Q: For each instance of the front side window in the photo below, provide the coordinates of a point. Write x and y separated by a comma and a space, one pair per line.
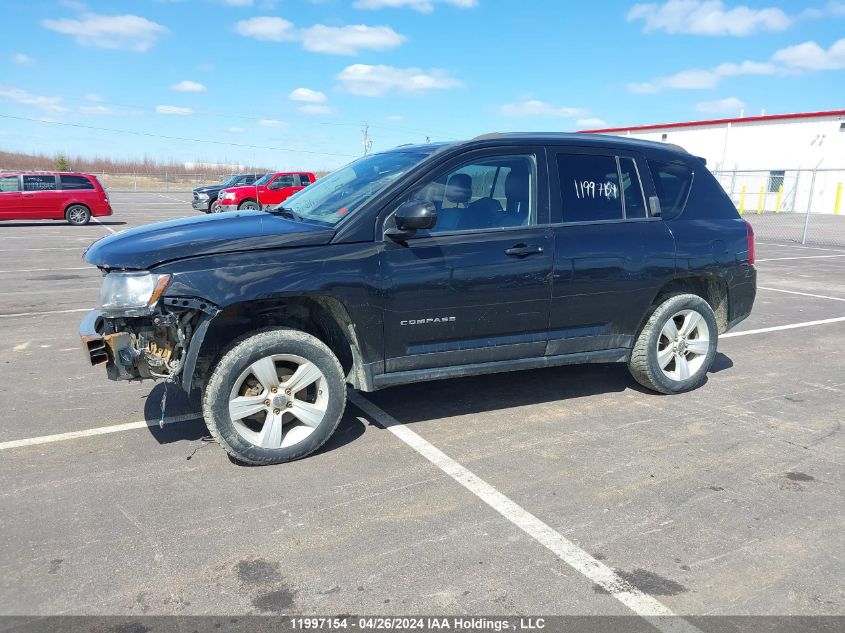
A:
39, 183
75, 182
495, 192
9, 183
283, 181
672, 181
589, 187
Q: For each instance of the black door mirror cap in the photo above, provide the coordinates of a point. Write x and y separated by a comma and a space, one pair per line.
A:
416, 214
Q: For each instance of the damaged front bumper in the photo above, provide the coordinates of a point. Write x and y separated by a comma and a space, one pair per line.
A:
164, 345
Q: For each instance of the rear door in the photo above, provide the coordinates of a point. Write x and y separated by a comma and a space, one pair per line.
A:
611, 255
10, 197
41, 198
476, 287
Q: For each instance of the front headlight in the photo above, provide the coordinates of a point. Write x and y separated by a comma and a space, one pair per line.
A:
202, 196
131, 294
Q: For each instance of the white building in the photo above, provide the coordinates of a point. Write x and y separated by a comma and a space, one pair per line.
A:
765, 155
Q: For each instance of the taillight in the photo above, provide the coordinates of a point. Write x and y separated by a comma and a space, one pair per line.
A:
749, 236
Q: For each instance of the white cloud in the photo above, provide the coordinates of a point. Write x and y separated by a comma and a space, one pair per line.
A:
95, 109
702, 79
315, 108
307, 95
235, 130
267, 28
805, 57
24, 97
591, 122
811, 56
395, 118
349, 40
728, 105
271, 123
375, 81
188, 86
93, 97
73, 5
536, 108
130, 32
20, 58
708, 17
836, 7
169, 109
238, 3
423, 6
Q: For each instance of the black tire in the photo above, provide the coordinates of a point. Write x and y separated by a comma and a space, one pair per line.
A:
248, 205
237, 359
643, 363
214, 207
78, 215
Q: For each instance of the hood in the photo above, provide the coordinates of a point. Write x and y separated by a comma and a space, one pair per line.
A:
208, 188
146, 246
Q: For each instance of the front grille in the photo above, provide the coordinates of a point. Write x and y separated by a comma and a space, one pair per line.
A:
196, 196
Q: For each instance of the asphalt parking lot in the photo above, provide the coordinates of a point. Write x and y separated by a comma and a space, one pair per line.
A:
726, 500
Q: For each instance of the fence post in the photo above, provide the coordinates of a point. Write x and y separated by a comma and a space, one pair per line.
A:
134, 182
838, 199
166, 183
760, 202
742, 201
780, 196
809, 206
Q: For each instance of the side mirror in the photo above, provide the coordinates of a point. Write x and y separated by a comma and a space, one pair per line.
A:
416, 214
274, 185
654, 206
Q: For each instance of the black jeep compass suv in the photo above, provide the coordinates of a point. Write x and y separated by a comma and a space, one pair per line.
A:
509, 251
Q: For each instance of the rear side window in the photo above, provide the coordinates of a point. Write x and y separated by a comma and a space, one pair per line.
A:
590, 188
672, 181
75, 182
9, 183
39, 183
632, 189
304, 180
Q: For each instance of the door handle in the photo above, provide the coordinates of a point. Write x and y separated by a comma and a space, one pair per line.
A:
523, 250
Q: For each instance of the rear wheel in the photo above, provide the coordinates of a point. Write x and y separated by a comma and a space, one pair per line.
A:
276, 396
78, 215
676, 347
249, 205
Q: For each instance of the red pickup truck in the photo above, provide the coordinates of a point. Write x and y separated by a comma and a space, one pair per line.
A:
267, 191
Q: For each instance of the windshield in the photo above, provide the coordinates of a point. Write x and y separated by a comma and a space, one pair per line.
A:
263, 180
342, 192
230, 182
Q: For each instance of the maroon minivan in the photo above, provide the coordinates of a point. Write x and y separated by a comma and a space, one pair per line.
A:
73, 197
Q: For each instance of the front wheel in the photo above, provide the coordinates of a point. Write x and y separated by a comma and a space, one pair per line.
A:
249, 205
676, 347
215, 207
78, 215
276, 396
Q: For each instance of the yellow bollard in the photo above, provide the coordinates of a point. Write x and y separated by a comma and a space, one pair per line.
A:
760, 201
742, 201
777, 202
838, 199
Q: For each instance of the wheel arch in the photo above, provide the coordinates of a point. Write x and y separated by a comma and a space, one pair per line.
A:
74, 203
322, 316
710, 287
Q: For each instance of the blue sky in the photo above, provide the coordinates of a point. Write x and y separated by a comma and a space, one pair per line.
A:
262, 77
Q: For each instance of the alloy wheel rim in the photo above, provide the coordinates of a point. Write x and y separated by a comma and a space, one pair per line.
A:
683, 345
278, 401
77, 214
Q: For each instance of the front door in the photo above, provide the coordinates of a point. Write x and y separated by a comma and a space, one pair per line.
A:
611, 256
476, 287
279, 189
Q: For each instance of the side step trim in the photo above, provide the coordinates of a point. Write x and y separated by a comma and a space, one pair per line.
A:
616, 355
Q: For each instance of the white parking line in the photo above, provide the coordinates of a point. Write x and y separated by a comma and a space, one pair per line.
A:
803, 294
46, 270
778, 328
637, 601
101, 430
29, 314
107, 228
807, 248
781, 259
57, 248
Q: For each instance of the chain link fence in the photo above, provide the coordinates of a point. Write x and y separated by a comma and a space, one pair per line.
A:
163, 182
794, 205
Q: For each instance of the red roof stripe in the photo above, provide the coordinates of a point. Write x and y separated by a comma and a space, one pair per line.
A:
747, 119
